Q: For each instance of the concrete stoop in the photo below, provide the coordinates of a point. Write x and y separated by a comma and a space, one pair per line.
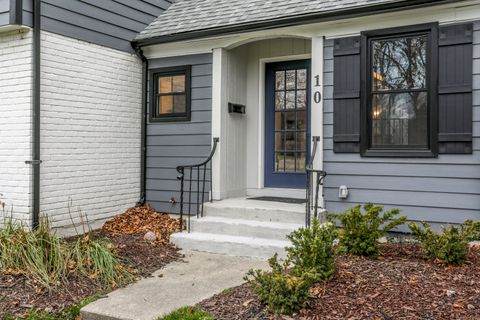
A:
243, 227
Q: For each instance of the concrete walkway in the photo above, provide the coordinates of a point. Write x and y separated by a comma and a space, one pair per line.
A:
181, 283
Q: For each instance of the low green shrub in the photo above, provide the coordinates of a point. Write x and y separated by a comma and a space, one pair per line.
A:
286, 289
188, 313
451, 244
312, 250
282, 291
49, 259
361, 230
472, 230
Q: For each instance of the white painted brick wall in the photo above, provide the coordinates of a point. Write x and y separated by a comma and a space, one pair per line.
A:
15, 123
90, 129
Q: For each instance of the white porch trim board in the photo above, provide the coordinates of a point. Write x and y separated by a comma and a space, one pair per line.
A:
316, 113
218, 92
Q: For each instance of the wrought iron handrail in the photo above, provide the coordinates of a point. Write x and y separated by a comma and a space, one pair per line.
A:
318, 177
199, 182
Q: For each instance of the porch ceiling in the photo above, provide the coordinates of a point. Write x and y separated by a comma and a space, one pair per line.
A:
197, 18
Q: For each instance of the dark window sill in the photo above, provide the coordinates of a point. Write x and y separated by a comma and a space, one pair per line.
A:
399, 153
170, 118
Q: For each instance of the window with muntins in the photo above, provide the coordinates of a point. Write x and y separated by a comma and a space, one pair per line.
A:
170, 94
291, 105
399, 93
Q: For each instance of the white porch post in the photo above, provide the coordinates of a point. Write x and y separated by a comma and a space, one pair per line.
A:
316, 120
218, 99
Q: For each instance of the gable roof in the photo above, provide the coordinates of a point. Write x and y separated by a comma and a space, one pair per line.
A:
196, 17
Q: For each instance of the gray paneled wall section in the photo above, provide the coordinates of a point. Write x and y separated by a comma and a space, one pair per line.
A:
111, 23
446, 189
4, 12
170, 144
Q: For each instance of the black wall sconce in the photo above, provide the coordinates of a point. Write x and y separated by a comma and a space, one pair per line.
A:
236, 108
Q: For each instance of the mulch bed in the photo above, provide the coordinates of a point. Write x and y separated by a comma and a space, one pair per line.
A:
19, 294
401, 284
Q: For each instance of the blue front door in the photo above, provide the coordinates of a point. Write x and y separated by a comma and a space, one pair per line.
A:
287, 132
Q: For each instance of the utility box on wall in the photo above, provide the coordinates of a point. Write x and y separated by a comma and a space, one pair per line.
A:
236, 108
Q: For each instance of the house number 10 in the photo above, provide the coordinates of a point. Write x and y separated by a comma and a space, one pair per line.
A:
317, 96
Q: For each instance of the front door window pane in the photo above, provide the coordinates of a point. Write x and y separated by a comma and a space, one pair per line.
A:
291, 104
302, 120
290, 161
290, 100
301, 99
290, 120
290, 141
279, 161
302, 79
290, 85
301, 161
301, 141
280, 80
279, 121
280, 100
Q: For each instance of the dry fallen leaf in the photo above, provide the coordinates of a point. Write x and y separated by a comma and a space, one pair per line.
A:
141, 220
246, 303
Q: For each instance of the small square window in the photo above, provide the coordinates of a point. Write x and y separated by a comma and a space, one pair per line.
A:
170, 94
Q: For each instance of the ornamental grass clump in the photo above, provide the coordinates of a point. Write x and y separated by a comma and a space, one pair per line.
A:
49, 260
97, 260
361, 230
451, 245
38, 254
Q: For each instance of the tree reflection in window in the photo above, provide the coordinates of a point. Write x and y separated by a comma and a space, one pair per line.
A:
399, 95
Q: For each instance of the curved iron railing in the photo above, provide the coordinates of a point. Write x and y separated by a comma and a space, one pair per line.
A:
197, 182
316, 176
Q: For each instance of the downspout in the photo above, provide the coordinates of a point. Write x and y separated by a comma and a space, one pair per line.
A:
143, 148
36, 161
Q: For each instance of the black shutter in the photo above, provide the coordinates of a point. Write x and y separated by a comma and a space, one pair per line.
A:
346, 95
455, 75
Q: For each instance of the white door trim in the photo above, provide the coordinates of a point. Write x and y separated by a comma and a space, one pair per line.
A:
316, 112
261, 110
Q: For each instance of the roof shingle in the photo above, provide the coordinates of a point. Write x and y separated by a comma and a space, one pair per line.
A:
195, 15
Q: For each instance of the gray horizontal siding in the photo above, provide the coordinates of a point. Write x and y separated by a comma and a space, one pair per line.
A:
111, 23
442, 190
4, 12
170, 144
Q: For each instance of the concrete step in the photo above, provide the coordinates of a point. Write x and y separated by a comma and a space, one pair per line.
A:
246, 209
230, 245
243, 228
